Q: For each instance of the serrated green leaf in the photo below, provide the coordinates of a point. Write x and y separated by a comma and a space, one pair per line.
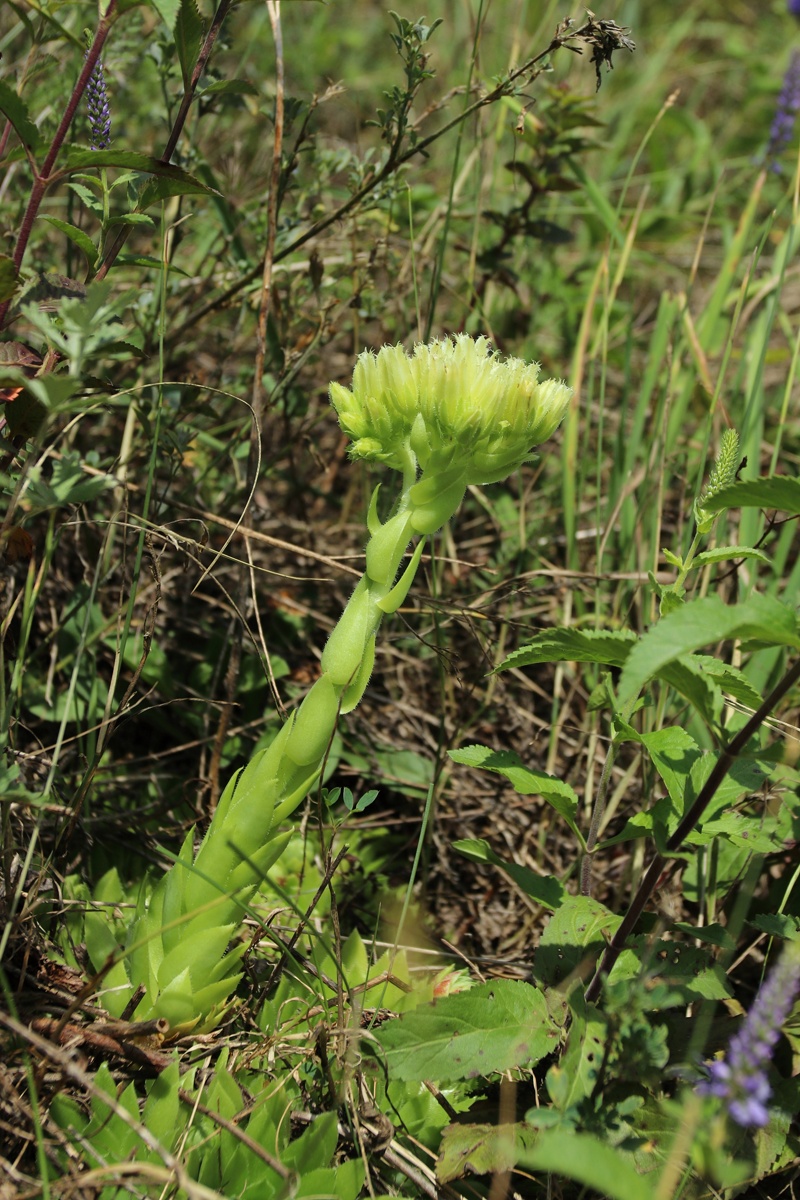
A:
528, 781
728, 554
701, 623
769, 491
181, 182
81, 239
544, 889
490, 1028
580, 1156
776, 925
482, 1149
167, 10
730, 679
611, 647
189, 34
15, 109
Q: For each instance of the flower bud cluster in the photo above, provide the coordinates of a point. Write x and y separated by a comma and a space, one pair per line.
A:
99, 109
453, 407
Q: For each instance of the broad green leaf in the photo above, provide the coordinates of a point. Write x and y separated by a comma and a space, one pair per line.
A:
574, 937
528, 781
490, 1028
189, 34
611, 647
81, 239
15, 109
8, 277
590, 1161
544, 889
344, 1182
701, 623
728, 554
482, 1149
770, 491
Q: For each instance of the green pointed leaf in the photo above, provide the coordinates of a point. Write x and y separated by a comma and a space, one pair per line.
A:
701, 623
14, 108
580, 1156
230, 87
770, 491
544, 889
528, 781
574, 645
180, 181
81, 239
490, 1028
189, 34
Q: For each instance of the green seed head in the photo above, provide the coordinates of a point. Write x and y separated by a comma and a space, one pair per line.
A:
453, 405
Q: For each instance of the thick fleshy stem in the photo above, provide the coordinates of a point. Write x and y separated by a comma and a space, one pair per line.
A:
177, 948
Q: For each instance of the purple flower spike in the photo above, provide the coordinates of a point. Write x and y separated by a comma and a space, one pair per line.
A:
741, 1077
783, 123
99, 110
794, 8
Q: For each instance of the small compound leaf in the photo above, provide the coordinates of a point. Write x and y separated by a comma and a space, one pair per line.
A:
490, 1028
592, 1162
701, 623
482, 1149
544, 889
611, 647
770, 491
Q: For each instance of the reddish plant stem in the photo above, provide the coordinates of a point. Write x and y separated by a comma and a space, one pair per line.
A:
111, 254
42, 180
687, 824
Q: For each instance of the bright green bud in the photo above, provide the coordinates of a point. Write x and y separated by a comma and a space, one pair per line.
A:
453, 403
722, 474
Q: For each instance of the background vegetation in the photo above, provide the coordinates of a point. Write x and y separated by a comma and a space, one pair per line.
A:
182, 528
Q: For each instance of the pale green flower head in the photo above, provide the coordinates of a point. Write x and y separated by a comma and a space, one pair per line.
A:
453, 405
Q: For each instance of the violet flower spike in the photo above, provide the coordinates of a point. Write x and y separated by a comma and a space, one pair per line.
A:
741, 1077
99, 109
794, 8
783, 123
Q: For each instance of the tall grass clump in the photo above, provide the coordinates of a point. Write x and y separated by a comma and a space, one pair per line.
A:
461, 866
